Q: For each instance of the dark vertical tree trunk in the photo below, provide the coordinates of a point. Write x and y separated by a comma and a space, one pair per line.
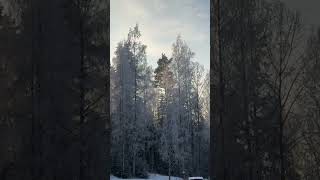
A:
82, 94
121, 122
217, 159
33, 118
198, 129
192, 148
212, 148
135, 106
105, 155
36, 133
282, 169
245, 85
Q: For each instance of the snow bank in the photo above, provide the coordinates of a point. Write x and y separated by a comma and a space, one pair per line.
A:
151, 177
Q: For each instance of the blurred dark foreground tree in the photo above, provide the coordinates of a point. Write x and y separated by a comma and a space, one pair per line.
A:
54, 108
264, 92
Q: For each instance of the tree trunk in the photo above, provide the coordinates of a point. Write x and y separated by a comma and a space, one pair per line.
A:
82, 94
35, 130
282, 170
169, 171
217, 159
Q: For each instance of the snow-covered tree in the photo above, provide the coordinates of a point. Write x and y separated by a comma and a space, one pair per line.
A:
132, 98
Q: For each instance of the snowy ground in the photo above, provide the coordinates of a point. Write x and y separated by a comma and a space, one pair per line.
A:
151, 177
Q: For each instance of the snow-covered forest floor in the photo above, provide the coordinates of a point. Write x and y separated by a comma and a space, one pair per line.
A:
151, 176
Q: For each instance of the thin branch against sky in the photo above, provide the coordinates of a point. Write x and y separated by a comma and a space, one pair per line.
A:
160, 21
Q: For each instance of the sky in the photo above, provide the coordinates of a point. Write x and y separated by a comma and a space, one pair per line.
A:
160, 21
